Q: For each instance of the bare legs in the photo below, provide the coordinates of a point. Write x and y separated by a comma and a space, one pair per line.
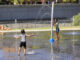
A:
19, 50
57, 35
24, 51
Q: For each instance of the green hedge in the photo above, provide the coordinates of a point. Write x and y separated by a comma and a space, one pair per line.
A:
76, 21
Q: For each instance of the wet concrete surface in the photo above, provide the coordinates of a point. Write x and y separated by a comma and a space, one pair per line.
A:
67, 48
39, 54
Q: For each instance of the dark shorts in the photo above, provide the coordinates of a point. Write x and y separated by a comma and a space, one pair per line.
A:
23, 44
57, 30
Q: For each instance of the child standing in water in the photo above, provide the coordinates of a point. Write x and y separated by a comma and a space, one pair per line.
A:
23, 41
56, 24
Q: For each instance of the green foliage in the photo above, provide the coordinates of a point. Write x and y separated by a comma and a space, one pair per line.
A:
21, 0
15, 2
66, 0
76, 21
73, 0
12, 0
0, 0
69, 0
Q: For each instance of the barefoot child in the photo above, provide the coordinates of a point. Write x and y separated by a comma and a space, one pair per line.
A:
23, 41
56, 24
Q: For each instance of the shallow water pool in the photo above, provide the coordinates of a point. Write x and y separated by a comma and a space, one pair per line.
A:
67, 48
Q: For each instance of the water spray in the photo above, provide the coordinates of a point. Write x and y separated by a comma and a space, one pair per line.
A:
16, 34
51, 39
73, 41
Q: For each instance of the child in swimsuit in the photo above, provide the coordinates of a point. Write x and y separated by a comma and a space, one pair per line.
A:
56, 24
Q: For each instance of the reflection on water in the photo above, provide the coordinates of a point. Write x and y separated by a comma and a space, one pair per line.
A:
57, 48
72, 33
63, 48
22, 58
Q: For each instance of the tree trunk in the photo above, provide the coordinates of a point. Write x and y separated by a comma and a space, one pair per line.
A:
19, 2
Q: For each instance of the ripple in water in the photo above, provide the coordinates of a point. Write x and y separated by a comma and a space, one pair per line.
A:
72, 33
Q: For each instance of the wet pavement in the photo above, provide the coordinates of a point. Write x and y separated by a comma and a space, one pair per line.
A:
37, 55
40, 54
67, 48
